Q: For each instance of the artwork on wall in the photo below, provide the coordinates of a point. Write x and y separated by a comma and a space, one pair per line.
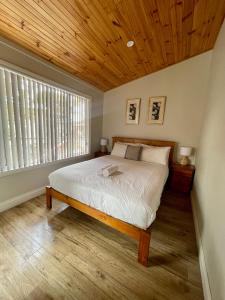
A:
156, 109
133, 111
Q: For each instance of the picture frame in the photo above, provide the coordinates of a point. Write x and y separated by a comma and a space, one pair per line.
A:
133, 111
156, 110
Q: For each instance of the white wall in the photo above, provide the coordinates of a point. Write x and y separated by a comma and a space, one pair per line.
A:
209, 185
184, 84
19, 183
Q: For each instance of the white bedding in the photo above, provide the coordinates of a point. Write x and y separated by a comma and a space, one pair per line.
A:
131, 195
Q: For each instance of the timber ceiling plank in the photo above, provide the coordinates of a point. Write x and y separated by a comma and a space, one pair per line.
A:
88, 37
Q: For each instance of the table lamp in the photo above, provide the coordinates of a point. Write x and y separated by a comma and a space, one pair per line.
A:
103, 144
185, 152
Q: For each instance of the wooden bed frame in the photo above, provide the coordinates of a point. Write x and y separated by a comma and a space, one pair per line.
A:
141, 235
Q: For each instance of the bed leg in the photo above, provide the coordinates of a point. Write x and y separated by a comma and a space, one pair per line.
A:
143, 249
48, 197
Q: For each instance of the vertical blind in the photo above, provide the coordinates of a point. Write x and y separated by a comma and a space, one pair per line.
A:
39, 123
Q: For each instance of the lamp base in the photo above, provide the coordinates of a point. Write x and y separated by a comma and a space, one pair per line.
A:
104, 149
184, 161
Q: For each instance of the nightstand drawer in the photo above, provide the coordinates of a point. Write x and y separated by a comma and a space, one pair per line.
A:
181, 178
180, 183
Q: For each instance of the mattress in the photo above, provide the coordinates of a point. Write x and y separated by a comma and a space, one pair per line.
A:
132, 194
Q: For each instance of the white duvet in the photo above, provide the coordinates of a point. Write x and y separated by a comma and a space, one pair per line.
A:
131, 195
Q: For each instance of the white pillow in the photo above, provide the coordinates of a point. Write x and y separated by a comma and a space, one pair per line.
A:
154, 154
119, 150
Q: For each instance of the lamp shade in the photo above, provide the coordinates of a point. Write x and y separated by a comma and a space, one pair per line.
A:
185, 151
103, 141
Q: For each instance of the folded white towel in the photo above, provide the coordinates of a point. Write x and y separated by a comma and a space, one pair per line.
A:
109, 171
100, 172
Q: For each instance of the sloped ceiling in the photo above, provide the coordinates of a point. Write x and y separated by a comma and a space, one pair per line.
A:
88, 37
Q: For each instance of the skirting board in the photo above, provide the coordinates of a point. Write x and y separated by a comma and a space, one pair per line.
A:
20, 199
201, 257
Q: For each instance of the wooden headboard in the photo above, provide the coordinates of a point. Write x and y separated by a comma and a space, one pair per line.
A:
157, 143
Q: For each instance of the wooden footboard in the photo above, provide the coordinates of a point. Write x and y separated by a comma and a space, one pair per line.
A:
143, 236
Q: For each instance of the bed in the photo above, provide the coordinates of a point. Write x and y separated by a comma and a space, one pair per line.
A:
127, 201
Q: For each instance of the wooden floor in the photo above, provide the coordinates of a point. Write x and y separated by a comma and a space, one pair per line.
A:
64, 254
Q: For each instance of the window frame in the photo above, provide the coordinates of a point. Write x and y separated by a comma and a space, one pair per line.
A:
18, 70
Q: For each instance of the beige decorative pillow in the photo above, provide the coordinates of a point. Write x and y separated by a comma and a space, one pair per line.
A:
133, 152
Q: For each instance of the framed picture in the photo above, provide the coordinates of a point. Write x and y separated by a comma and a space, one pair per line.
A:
156, 109
133, 111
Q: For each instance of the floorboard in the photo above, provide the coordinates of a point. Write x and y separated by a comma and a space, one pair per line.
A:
64, 254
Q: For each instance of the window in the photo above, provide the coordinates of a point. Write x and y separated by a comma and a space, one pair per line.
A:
39, 123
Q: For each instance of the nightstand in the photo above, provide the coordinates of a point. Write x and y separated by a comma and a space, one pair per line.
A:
99, 153
181, 178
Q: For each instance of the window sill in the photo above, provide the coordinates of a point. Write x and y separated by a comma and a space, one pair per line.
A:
26, 169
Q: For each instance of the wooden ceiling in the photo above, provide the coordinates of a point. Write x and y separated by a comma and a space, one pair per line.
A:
88, 37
